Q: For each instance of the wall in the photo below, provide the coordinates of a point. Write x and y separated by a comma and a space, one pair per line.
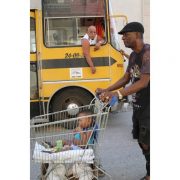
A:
35, 4
135, 10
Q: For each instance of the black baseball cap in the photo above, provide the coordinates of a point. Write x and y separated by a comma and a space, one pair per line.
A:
132, 27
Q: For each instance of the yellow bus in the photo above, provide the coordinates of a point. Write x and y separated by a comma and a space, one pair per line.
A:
60, 77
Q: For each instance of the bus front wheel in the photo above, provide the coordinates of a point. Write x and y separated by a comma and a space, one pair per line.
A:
69, 99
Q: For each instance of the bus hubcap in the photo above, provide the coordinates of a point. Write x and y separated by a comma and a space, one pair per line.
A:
73, 109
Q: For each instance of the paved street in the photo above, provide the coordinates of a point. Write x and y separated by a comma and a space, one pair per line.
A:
121, 156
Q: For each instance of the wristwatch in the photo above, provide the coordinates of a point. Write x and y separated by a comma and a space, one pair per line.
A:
120, 95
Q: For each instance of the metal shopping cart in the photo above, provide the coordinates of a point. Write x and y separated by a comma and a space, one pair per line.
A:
53, 144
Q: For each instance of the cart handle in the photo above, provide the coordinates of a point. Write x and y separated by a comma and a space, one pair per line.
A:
96, 100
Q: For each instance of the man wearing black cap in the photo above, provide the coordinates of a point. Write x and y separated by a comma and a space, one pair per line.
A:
138, 71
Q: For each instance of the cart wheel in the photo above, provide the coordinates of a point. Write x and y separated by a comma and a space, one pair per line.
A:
68, 99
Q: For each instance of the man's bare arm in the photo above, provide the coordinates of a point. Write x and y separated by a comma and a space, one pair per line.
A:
120, 83
86, 52
137, 86
100, 41
140, 84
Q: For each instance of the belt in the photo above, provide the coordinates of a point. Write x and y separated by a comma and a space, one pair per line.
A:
136, 107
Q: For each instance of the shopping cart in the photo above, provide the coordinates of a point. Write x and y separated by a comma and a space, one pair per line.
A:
80, 161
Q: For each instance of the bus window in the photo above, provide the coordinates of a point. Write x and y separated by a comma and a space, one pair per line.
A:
67, 27
32, 36
84, 23
60, 32
115, 38
69, 31
33, 82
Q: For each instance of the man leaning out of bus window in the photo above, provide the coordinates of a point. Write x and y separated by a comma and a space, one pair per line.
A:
91, 38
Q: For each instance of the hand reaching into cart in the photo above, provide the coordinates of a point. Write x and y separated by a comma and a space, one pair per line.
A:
107, 96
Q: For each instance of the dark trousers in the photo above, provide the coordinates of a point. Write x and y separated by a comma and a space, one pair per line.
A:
146, 154
141, 131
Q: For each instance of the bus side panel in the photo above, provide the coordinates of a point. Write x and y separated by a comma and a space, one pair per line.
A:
50, 89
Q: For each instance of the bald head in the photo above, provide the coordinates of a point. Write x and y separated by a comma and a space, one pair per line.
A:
91, 32
92, 28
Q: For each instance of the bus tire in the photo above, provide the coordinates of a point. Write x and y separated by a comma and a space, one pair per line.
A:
69, 96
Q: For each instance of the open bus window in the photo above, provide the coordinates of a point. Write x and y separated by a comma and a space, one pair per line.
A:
98, 22
66, 21
32, 36
69, 31
33, 81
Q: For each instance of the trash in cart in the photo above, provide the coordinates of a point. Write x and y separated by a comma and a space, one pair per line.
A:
65, 152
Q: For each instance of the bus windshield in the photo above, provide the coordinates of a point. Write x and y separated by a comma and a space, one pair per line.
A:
66, 21
115, 39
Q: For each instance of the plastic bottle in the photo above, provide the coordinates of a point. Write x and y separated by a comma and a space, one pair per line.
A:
59, 145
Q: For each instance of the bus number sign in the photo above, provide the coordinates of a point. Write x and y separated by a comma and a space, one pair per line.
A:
72, 55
